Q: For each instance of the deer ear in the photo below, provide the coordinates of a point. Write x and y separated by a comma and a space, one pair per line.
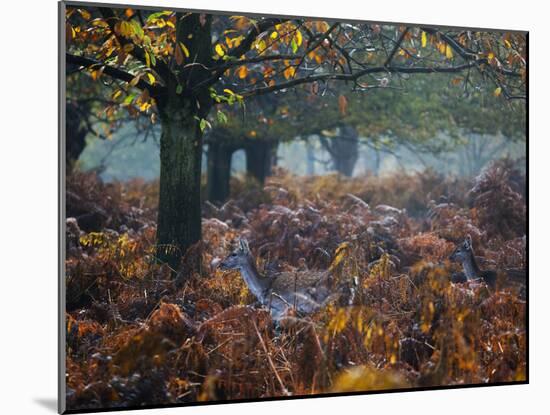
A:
468, 241
243, 244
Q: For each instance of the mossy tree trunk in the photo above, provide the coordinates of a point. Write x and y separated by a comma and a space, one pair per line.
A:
181, 108
179, 216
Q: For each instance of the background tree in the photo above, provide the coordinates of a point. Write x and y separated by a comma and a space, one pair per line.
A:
179, 62
92, 112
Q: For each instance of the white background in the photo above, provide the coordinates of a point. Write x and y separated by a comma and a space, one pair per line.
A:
28, 204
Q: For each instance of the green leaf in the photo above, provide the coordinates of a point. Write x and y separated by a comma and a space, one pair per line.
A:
294, 45
222, 118
204, 124
138, 30
179, 89
128, 100
158, 15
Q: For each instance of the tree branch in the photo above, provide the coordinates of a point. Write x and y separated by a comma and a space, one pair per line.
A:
112, 72
358, 74
242, 49
137, 51
396, 47
467, 54
252, 34
257, 59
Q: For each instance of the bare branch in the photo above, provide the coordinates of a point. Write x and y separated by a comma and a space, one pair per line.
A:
467, 54
396, 47
258, 59
358, 74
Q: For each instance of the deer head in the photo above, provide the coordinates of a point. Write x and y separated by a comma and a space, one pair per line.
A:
463, 251
238, 259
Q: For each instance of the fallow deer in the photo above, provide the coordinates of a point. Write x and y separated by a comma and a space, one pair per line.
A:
304, 290
464, 253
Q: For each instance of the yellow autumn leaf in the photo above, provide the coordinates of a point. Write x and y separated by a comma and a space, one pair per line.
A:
135, 80
70, 32
448, 52
260, 45
233, 42
116, 94
424, 39
96, 74
289, 72
298, 38
242, 72
85, 14
144, 106
228, 91
126, 29
151, 78
185, 50
274, 35
497, 92
219, 50
340, 254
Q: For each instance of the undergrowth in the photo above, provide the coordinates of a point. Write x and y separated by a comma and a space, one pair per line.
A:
135, 337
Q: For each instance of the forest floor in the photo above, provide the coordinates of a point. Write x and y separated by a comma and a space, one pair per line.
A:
137, 337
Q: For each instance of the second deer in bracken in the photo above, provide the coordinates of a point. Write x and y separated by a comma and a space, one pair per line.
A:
464, 253
305, 291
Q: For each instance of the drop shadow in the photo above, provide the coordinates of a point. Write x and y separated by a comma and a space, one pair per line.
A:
48, 403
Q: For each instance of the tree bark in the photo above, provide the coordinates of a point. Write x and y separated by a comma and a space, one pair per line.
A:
219, 171
181, 107
179, 215
260, 159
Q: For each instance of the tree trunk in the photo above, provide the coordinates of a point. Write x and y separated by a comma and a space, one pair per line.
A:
76, 136
181, 108
260, 158
377, 163
219, 172
179, 215
343, 150
310, 158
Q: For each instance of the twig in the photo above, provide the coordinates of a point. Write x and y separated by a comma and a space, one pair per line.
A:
283, 388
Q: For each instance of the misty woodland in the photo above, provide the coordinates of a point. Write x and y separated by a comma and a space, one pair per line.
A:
270, 207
